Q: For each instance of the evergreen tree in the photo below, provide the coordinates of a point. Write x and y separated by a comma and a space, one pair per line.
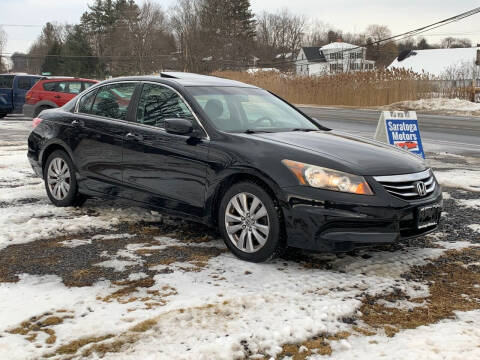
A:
79, 57
229, 30
53, 61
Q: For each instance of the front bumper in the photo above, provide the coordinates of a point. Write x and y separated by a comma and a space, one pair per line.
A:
331, 221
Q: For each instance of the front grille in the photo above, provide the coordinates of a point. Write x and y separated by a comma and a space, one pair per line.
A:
405, 186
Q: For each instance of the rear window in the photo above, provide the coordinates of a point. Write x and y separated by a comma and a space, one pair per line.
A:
87, 84
6, 81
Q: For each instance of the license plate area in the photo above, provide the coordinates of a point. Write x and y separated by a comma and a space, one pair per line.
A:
428, 215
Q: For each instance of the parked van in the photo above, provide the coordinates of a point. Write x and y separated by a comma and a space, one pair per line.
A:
13, 88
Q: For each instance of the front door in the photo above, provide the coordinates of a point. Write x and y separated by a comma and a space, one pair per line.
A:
165, 170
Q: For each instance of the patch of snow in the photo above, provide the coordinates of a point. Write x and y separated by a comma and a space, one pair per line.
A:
464, 179
76, 242
475, 227
112, 236
437, 62
448, 339
117, 265
470, 203
452, 106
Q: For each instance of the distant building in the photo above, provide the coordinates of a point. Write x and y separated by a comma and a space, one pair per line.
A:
332, 58
445, 64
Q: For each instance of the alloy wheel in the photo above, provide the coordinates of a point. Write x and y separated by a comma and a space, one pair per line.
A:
58, 178
247, 222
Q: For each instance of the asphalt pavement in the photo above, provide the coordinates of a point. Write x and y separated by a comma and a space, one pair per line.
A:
449, 133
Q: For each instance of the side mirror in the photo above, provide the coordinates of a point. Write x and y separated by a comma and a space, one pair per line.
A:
179, 126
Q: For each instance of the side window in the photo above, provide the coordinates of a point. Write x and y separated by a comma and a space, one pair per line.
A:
61, 87
158, 103
86, 85
74, 87
112, 100
86, 102
24, 83
49, 86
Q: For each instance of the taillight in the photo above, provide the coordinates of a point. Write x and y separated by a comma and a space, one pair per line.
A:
36, 121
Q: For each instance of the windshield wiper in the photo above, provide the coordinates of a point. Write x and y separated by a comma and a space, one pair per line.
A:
304, 129
251, 131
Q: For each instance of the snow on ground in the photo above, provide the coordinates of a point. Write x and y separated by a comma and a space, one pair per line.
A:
438, 105
463, 179
179, 296
449, 339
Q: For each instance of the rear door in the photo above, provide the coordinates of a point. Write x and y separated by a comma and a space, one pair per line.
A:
6, 93
21, 85
96, 136
164, 170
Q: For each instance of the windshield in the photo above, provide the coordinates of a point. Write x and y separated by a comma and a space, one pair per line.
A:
236, 109
6, 81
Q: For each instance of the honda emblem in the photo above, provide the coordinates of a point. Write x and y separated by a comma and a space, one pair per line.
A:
421, 188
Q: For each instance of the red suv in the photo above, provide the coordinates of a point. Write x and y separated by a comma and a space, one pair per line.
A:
52, 93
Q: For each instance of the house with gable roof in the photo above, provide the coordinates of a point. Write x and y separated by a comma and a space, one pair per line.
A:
332, 58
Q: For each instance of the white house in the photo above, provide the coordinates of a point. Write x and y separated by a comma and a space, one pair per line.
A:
445, 64
334, 57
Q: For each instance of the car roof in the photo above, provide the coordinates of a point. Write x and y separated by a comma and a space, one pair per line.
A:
187, 80
21, 74
65, 78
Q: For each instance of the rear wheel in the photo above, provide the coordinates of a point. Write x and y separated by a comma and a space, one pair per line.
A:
39, 110
60, 180
250, 223
2, 115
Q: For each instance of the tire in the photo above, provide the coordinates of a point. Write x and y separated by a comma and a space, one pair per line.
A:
39, 110
2, 115
66, 194
249, 239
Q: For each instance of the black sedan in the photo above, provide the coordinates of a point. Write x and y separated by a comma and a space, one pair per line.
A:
233, 156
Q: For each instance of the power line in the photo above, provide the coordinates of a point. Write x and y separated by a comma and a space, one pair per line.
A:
390, 39
404, 35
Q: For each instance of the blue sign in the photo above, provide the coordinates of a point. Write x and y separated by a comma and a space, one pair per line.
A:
405, 134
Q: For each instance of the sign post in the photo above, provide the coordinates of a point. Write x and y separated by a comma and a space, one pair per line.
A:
400, 128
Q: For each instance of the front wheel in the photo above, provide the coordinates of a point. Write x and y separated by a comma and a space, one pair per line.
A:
60, 180
2, 115
250, 223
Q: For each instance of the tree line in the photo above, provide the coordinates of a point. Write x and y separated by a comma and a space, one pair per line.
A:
121, 37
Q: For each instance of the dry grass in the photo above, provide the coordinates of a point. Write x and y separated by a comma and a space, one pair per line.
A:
369, 88
319, 345
451, 283
43, 323
451, 279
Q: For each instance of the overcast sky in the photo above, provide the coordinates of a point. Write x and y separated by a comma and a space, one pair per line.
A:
348, 15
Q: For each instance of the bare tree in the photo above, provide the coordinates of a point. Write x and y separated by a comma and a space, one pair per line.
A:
152, 42
185, 22
452, 42
3, 44
280, 33
383, 53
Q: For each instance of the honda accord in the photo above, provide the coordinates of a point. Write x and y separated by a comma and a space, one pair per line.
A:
236, 157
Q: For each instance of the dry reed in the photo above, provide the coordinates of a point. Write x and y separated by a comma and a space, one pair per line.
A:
368, 88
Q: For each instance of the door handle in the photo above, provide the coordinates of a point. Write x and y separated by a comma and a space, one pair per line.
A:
77, 123
131, 136
57, 96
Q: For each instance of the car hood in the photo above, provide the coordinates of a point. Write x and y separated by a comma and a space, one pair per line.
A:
361, 155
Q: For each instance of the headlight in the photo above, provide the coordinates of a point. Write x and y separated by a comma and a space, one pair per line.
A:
320, 177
